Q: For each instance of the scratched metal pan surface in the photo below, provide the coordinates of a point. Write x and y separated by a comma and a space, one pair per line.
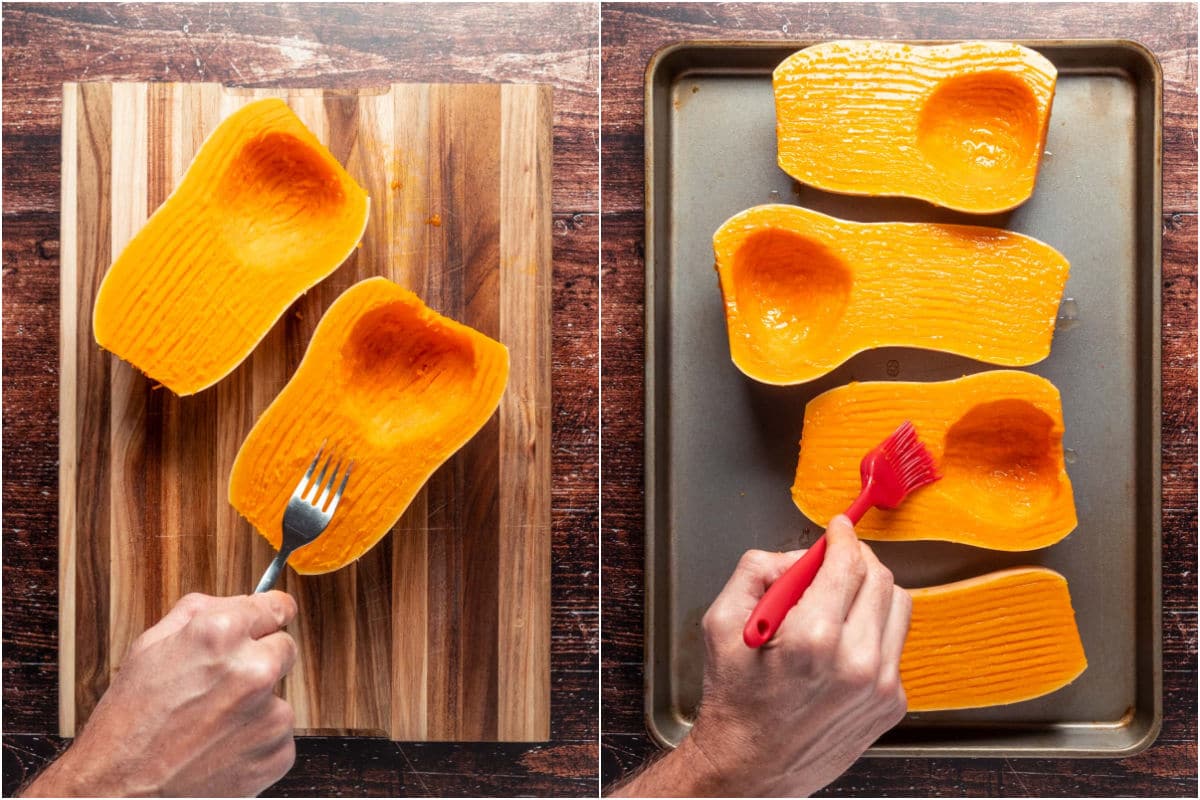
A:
721, 449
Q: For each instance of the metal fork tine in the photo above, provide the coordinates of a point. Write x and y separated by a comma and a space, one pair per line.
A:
300, 524
329, 487
338, 495
319, 495
304, 481
311, 494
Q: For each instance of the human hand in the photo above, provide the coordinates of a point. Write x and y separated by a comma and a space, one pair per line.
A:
793, 715
192, 709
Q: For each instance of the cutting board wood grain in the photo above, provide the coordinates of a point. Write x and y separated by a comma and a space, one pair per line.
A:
442, 630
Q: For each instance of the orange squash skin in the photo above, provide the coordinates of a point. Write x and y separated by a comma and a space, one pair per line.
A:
992, 640
263, 213
389, 383
959, 125
997, 440
803, 292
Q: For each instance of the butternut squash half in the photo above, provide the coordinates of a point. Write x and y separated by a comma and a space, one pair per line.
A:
804, 291
991, 640
996, 437
391, 384
958, 125
263, 213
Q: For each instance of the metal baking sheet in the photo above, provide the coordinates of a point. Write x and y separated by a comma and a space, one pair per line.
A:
721, 449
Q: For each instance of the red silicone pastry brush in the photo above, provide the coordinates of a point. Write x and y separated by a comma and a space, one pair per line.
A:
899, 465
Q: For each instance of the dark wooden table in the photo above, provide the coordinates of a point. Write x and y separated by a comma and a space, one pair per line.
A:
630, 34
301, 45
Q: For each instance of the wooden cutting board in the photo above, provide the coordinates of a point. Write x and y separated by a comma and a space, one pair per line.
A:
442, 631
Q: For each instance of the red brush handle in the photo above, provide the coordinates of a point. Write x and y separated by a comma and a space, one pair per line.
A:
865, 500
782, 595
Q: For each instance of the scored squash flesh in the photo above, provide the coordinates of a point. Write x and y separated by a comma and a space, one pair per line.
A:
992, 640
995, 436
959, 125
263, 213
804, 292
389, 383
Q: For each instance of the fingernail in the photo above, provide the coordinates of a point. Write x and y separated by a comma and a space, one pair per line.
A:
276, 607
285, 600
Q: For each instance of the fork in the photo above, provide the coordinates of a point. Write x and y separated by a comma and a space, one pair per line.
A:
306, 516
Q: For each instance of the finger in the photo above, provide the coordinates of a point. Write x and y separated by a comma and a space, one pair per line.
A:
180, 614
267, 612
279, 764
268, 737
755, 571
275, 726
889, 701
279, 649
868, 615
832, 592
896, 630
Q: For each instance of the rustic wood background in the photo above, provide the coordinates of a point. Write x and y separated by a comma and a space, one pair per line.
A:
300, 46
630, 35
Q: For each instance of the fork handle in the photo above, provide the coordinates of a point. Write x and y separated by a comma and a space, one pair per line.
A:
272, 574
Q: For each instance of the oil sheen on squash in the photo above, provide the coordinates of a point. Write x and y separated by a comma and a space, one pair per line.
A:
804, 291
958, 125
996, 437
263, 213
996, 639
390, 383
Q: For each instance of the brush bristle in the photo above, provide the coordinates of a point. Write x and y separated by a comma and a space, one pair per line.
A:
909, 458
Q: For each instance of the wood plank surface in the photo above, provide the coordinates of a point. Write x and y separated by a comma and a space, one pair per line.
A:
630, 35
524, 656
464, 220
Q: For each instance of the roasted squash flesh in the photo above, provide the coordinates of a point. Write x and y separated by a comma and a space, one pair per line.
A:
389, 383
263, 213
959, 125
991, 640
996, 436
804, 292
